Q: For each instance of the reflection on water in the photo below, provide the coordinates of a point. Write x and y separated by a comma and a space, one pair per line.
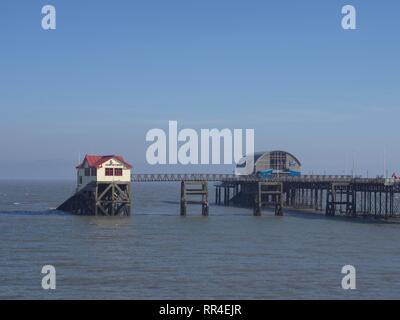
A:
158, 254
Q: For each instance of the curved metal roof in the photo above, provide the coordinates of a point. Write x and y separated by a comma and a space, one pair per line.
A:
258, 155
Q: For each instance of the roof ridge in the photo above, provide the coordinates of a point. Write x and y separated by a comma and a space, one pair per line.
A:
96, 160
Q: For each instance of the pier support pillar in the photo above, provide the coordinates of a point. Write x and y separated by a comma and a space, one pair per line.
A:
334, 198
100, 199
194, 190
266, 190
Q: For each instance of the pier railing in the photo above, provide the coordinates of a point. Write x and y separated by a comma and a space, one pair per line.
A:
190, 177
154, 177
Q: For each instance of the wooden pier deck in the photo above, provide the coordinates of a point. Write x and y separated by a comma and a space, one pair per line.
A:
332, 194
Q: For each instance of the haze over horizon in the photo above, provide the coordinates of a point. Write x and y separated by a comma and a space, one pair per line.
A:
111, 71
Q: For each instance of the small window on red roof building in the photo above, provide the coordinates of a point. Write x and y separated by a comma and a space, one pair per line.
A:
87, 172
93, 172
109, 171
118, 172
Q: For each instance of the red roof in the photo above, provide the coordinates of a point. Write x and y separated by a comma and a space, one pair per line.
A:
95, 161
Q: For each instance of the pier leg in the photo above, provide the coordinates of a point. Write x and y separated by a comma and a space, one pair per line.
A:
258, 201
316, 199
183, 207
330, 207
194, 189
266, 190
100, 199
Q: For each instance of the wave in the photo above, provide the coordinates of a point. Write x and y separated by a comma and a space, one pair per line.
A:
34, 213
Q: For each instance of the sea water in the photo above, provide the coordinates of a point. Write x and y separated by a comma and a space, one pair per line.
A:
156, 254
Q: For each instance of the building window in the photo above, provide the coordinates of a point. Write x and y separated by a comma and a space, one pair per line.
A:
278, 160
80, 179
109, 171
93, 172
87, 172
118, 172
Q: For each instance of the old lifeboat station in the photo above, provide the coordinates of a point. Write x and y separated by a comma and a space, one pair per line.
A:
103, 187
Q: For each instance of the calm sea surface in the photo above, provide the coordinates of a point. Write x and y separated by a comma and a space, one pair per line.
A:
156, 254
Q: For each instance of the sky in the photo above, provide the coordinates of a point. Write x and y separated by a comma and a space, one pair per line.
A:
113, 70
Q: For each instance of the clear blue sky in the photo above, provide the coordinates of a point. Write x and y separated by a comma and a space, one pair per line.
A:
115, 69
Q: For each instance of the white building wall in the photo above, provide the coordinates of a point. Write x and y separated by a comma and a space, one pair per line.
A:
101, 174
113, 163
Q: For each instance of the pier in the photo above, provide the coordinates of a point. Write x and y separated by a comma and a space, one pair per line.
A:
332, 195
104, 189
191, 191
100, 199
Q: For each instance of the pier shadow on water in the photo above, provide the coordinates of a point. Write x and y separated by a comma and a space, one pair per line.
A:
351, 219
